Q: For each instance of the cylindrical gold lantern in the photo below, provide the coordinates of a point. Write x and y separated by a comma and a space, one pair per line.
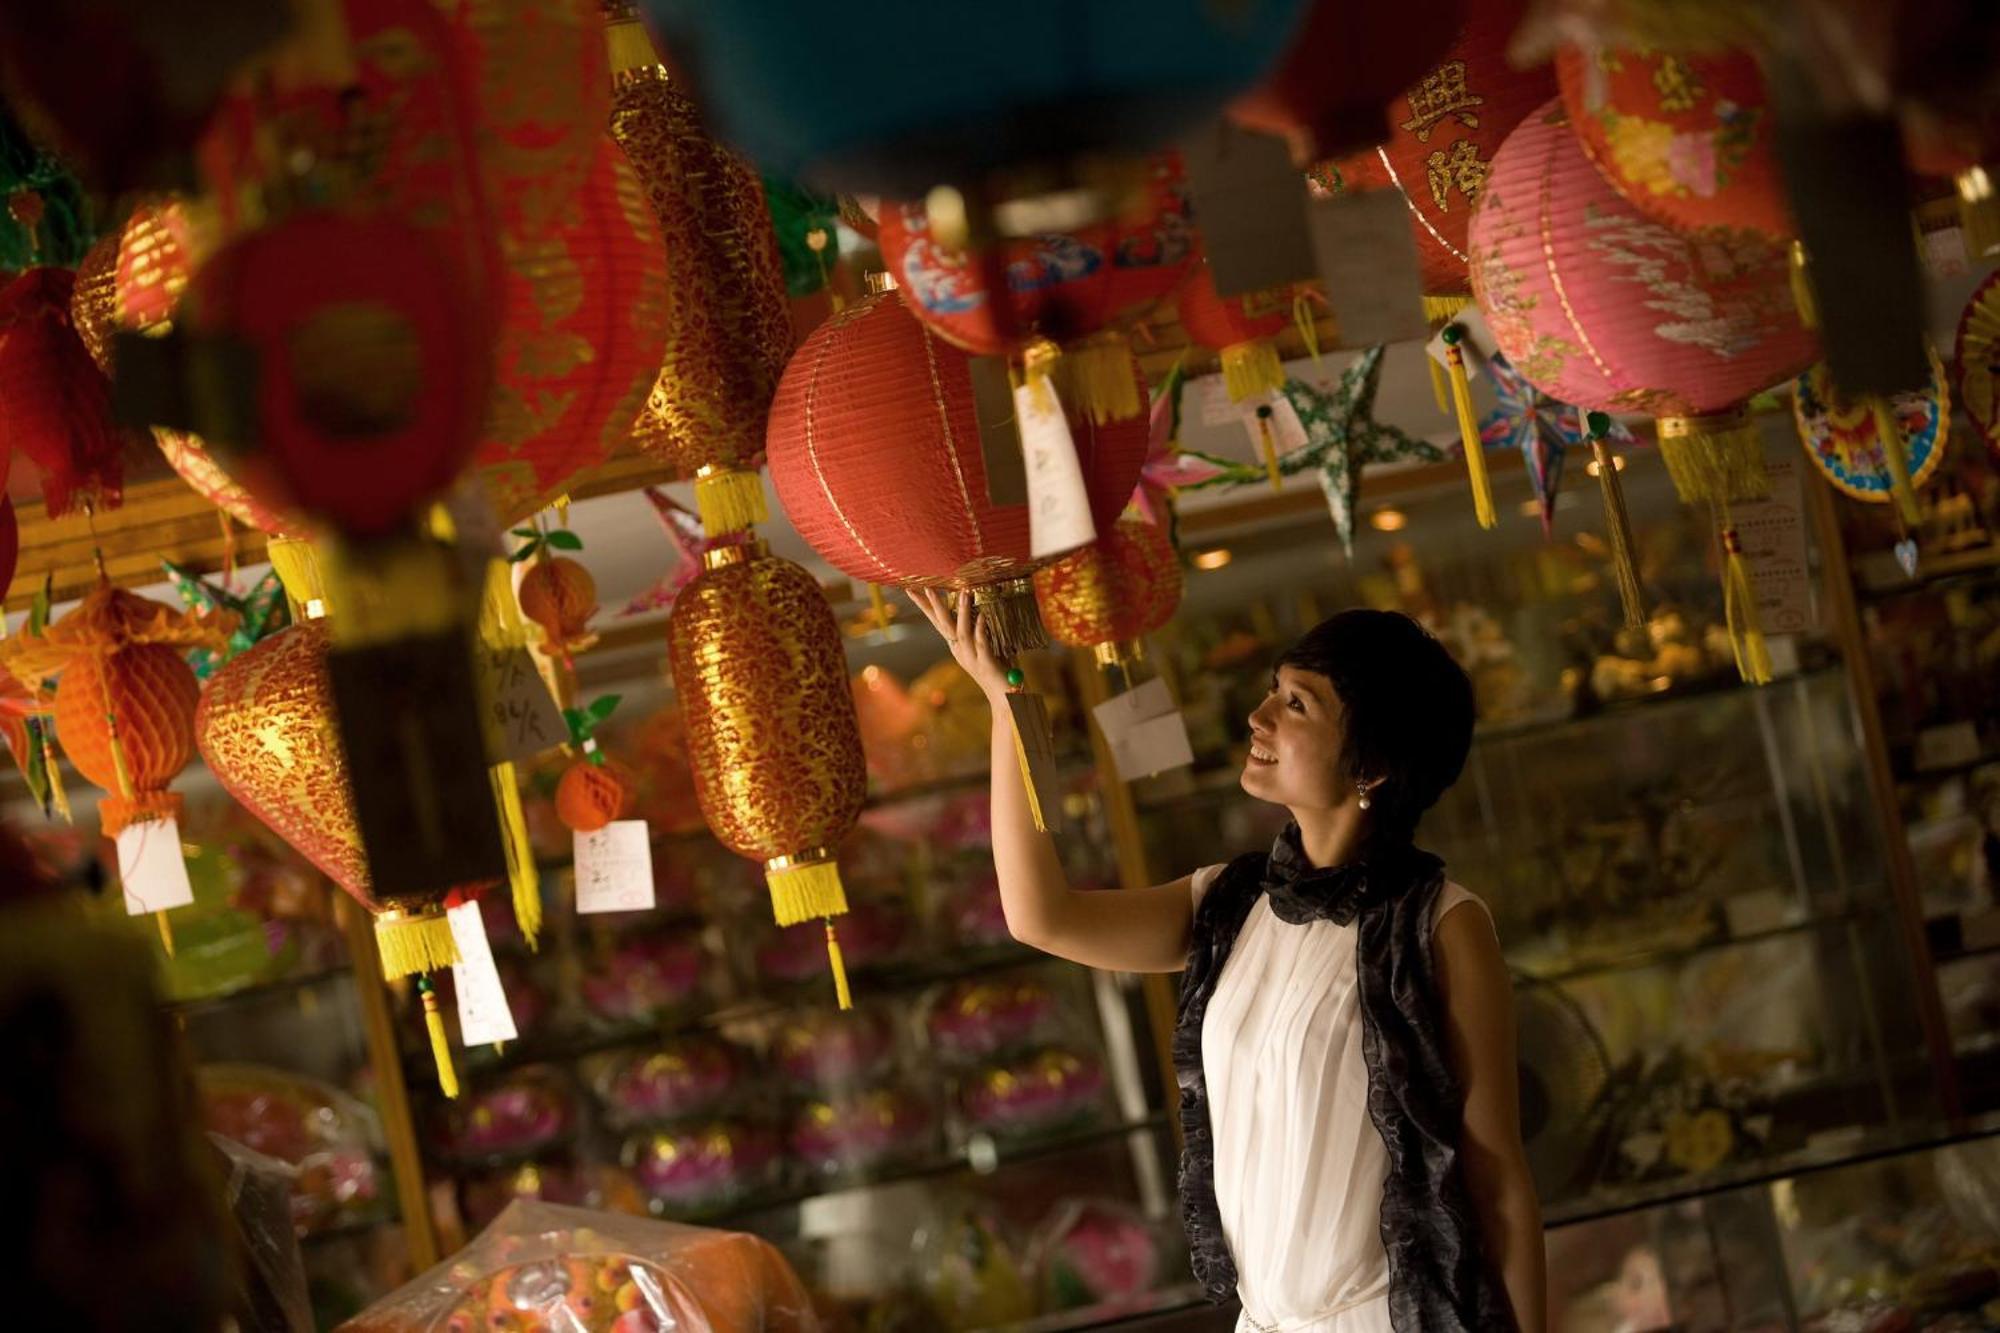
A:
729, 326
1109, 595
771, 731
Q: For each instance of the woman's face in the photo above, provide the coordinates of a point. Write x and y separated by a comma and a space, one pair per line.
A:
1296, 736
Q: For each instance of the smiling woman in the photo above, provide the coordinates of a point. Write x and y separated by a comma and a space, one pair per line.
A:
1345, 1046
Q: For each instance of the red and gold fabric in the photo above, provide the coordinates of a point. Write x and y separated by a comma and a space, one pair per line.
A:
55, 404
1114, 592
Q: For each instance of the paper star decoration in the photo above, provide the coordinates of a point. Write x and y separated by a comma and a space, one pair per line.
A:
1342, 438
1542, 428
259, 613
1167, 469
683, 529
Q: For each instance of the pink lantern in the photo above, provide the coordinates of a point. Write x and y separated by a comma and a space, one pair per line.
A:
1598, 305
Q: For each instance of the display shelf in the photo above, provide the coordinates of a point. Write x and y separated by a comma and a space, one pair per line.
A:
1878, 576
1911, 775
1667, 955
262, 992
1959, 935
1121, 1313
1845, 1151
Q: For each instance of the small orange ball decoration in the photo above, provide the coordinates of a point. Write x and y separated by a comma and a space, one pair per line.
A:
593, 793
560, 595
1112, 593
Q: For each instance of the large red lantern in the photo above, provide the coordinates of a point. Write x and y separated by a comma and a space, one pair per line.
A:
1598, 305
876, 453
55, 404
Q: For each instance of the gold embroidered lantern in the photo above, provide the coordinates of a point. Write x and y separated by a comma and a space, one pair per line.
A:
1109, 595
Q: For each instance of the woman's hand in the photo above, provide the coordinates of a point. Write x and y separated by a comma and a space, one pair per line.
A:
964, 631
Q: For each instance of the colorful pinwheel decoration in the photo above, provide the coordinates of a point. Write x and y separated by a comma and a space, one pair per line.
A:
260, 612
683, 529
1543, 429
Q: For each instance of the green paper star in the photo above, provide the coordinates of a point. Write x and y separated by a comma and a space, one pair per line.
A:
260, 612
1342, 438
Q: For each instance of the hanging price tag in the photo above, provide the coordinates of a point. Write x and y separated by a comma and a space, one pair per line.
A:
1287, 431
1037, 753
614, 868
1058, 503
1478, 344
1367, 261
151, 868
1144, 731
484, 1016
520, 715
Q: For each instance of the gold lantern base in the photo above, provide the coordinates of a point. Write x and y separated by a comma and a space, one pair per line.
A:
1124, 654
1007, 610
412, 942
805, 886
729, 500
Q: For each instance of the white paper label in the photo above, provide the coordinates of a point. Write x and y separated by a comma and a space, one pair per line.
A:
1478, 344
614, 868
1773, 534
1367, 259
1287, 431
1144, 731
1058, 504
484, 1016
151, 868
521, 716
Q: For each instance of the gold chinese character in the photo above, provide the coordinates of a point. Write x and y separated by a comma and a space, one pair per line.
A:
1678, 85
1442, 93
1458, 168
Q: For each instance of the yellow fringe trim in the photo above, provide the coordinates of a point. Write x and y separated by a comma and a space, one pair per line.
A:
298, 569
1468, 434
1250, 369
1028, 784
1618, 535
166, 932
729, 500
1714, 459
1802, 290
411, 943
1095, 379
842, 994
629, 45
802, 890
523, 879
440, 1043
1440, 310
1739, 609
1440, 391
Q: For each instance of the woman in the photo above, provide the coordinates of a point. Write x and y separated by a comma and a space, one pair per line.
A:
1345, 1047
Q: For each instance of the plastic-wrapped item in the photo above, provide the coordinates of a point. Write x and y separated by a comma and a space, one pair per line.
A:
971, 1269
1053, 1089
828, 1049
526, 1110
875, 933
862, 1132
688, 1076
328, 1138
258, 1190
482, 1198
988, 1016
544, 1268
646, 979
698, 1168
1095, 1252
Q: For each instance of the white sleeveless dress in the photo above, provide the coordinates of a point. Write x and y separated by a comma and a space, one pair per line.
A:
1299, 1167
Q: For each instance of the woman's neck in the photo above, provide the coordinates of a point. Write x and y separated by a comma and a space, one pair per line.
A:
1331, 837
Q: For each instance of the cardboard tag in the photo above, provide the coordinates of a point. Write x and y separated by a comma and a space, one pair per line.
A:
1251, 203
1366, 256
1949, 745
151, 868
1038, 755
1144, 731
520, 716
999, 437
1773, 534
484, 1016
614, 868
1477, 344
1058, 502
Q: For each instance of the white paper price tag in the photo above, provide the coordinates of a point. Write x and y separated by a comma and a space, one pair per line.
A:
1478, 344
1287, 431
614, 868
151, 868
484, 1016
1058, 504
1144, 731
521, 719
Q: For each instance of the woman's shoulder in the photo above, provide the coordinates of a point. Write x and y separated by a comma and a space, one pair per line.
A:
1452, 897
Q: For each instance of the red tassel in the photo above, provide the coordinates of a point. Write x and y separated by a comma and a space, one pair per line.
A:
55, 404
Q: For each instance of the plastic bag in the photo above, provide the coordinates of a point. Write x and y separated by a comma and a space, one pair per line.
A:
258, 1190
544, 1268
330, 1139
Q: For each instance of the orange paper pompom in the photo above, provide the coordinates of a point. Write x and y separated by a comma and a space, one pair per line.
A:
560, 595
592, 795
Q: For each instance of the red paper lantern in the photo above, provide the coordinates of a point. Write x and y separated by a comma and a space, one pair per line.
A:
1113, 592
1244, 329
1079, 289
55, 404
875, 450
10, 543
1344, 64
1688, 139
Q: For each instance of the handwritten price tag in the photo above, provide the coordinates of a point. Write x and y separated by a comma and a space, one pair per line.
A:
520, 716
484, 1016
151, 868
1058, 505
614, 868
1145, 732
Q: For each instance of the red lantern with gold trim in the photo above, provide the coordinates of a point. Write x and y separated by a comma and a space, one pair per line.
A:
1244, 329
876, 454
55, 404
1113, 593
771, 733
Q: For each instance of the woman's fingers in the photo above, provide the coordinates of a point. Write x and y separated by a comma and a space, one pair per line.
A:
965, 611
927, 602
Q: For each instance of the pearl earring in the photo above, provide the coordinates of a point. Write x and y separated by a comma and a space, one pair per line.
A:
1366, 800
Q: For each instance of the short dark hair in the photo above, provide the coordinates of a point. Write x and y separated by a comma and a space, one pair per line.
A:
1409, 709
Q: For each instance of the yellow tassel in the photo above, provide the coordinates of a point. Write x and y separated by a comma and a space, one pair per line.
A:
1039, 367
1439, 389
1979, 211
1442, 310
166, 932
1267, 446
842, 995
298, 569
1028, 783
1468, 431
1308, 327
1618, 533
412, 942
58, 794
561, 505
878, 606
1739, 608
629, 46
804, 886
1896, 458
1250, 369
1094, 377
1714, 459
1802, 292
440, 1042
729, 500
1009, 617
522, 877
